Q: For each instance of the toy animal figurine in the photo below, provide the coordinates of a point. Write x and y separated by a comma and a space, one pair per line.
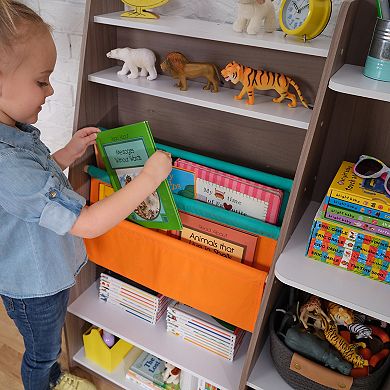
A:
134, 59
178, 66
312, 347
251, 15
140, 6
360, 331
311, 309
252, 79
348, 351
171, 374
342, 315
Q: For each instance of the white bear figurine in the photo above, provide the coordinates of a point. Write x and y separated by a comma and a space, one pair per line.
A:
134, 59
251, 14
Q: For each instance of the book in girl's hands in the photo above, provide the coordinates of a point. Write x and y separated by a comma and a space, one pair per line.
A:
124, 151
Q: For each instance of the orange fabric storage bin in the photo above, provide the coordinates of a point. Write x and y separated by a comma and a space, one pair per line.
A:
225, 289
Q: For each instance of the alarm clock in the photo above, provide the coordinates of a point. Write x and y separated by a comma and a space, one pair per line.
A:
304, 18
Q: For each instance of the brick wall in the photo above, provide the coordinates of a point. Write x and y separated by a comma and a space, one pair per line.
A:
66, 17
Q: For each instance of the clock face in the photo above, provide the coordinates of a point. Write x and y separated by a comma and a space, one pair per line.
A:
295, 13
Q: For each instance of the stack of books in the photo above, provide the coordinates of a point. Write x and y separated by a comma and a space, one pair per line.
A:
352, 227
132, 297
204, 330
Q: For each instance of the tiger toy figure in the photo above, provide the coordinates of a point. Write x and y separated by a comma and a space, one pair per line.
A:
252, 79
347, 351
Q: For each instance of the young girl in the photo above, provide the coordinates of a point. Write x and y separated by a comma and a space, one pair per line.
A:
42, 219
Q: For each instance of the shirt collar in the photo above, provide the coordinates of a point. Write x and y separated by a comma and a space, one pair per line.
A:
21, 136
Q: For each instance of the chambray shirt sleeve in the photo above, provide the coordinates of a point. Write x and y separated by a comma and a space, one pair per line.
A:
31, 193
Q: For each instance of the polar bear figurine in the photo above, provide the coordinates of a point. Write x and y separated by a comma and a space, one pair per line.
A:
252, 13
134, 59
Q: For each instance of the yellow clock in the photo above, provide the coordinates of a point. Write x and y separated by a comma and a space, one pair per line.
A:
304, 18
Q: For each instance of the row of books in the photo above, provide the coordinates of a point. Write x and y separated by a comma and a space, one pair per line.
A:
191, 324
204, 330
352, 227
227, 191
151, 372
132, 297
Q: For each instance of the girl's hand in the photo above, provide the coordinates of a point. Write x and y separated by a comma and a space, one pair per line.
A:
80, 141
158, 166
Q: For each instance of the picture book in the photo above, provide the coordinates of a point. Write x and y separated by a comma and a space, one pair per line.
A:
351, 188
350, 248
363, 218
226, 241
355, 219
150, 367
227, 191
124, 151
357, 208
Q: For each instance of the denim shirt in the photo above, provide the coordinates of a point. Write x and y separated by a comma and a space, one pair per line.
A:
38, 256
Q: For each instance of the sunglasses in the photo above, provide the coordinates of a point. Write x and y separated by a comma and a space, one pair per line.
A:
371, 168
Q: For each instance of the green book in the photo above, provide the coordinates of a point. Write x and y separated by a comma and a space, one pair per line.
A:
124, 151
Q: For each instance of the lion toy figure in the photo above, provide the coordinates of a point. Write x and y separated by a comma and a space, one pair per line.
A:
178, 66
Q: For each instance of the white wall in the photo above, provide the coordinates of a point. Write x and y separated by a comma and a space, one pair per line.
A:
66, 17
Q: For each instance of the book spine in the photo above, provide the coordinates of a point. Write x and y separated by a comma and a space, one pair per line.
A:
200, 344
198, 329
201, 324
356, 199
358, 216
131, 301
353, 222
130, 305
132, 312
131, 289
357, 208
218, 344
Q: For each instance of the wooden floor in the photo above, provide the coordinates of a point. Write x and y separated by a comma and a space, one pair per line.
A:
11, 352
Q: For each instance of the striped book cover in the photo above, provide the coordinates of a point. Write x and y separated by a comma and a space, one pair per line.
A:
233, 193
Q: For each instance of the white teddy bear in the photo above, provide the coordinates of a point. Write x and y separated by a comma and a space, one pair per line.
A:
252, 13
134, 59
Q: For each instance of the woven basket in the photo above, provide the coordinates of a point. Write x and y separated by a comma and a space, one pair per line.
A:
282, 355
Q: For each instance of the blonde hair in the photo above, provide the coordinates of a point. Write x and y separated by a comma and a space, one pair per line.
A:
13, 14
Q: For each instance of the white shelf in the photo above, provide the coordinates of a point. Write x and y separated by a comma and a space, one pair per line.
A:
330, 282
164, 87
221, 32
118, 376
264, 375
350, 79
156, 340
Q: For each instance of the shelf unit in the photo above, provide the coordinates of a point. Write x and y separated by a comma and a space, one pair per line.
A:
332, 283
269, 140
164, 87
155, 339
219, 32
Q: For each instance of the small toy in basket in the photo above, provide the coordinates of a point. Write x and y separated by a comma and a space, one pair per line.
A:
179, 67
252, 79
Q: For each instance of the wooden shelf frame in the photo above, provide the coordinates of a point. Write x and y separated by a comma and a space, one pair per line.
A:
337, 128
